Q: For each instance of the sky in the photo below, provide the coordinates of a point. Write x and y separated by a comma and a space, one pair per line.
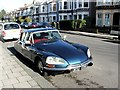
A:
10, 5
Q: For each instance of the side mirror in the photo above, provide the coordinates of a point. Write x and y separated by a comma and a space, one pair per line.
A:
64, 37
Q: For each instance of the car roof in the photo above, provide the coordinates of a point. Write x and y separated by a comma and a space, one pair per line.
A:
39, 29
9, 23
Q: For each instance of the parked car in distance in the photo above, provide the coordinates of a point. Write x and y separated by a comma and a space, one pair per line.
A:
45, 25
24, 25
51, 53
33, 25
9, 30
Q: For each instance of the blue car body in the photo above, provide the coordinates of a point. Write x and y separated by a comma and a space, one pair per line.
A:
73, 56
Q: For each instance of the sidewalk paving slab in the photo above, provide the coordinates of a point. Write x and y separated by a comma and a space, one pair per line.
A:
13, 75
22, 84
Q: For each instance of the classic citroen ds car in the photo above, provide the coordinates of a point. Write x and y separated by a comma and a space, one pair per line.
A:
50, 52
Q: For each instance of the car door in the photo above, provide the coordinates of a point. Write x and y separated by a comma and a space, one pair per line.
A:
18, 44
30, 50
27, 45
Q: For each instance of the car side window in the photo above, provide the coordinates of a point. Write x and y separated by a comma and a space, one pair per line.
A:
22, 36
27, 36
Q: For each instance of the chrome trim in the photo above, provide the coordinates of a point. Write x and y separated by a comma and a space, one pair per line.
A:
70, 67
86, 62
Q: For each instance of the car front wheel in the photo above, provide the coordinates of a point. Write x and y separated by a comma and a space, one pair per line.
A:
41, 69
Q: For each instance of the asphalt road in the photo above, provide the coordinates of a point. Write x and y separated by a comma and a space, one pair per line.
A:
103, 74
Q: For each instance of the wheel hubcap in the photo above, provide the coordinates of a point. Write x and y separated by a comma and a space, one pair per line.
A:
40, 67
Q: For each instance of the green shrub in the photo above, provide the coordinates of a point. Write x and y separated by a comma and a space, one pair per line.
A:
66, 24
27, 19
71, 24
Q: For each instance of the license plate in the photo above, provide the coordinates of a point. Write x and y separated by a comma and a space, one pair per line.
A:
14, 31
76, 69
83, 66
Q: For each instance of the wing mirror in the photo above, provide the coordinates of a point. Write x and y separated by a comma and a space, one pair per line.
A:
64, 37
27, 43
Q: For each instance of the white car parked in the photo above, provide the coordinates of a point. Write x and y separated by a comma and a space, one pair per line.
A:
9, 30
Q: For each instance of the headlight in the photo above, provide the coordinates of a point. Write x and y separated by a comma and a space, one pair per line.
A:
88, 53
55, 60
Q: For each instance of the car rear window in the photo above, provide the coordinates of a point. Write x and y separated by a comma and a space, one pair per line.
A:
11, 26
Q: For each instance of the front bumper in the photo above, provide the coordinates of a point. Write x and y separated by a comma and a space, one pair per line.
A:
72, 67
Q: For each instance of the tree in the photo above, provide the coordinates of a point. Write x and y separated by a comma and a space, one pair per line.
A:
27, 19
2, 19
20, 19
83, 23
2, 14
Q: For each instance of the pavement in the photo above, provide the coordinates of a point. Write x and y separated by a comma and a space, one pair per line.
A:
98, 35
13, 75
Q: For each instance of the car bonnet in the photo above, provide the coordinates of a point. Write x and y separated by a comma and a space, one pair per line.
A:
64, 50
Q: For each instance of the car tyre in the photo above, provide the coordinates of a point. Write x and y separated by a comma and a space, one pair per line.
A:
41, 69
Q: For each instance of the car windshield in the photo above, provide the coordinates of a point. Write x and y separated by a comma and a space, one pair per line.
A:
11, 26
46, 36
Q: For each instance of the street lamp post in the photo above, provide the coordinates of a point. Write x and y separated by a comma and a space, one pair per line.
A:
57, 1
46, 4
33, 13
72, 10
33, 4
47, 13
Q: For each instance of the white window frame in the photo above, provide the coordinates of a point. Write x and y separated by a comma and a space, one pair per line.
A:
107, 19
87, 2
99, 19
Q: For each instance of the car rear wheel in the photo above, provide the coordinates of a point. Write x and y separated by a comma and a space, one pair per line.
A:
41, 69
